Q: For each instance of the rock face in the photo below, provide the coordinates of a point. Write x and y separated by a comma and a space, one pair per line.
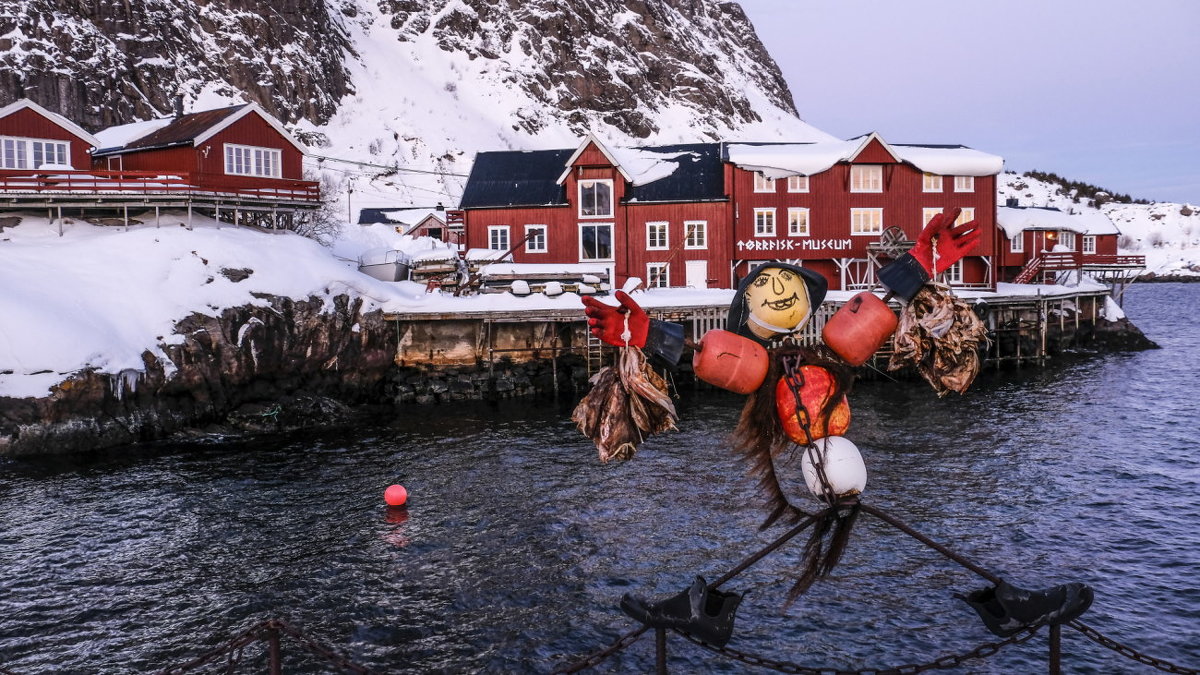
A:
107, 62
292, 362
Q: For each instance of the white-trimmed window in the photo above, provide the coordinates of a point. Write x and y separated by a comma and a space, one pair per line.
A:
866, 178
931, 182
1016, 244
656, 235
1066, 239
797, 183
595, 241
797, 222
32, 153
927, 215
498, 238
251, 160
964, 183
657, 275
966, 215
696, 236
866, 221
595, 198
954, 273
535, 238
1089, 243
762, 183
764, 222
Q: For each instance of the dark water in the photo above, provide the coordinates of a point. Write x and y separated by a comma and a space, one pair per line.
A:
518, 544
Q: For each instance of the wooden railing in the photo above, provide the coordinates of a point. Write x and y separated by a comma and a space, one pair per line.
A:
1114, 260
157, 183
1058, 261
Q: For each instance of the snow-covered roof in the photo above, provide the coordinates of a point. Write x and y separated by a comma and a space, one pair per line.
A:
780, 160
124, 134
1015, 219
52, 116
590, 139
190, 129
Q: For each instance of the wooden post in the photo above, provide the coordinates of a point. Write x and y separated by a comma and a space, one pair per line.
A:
157, 224
1056, 649
126, 212
274, 658
60, 223
189, 216
660, 650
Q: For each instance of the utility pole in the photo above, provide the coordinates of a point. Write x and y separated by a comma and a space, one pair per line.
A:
349, 191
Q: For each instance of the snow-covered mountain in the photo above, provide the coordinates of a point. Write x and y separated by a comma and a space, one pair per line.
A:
1167, 234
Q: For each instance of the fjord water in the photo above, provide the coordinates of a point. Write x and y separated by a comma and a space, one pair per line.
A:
517, 543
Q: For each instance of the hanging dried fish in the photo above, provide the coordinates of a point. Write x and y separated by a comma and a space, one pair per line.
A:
940, 335
626, 404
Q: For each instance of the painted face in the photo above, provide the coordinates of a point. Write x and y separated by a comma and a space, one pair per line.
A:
779, 298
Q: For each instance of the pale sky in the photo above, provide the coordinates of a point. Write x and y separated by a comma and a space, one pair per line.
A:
1102, 91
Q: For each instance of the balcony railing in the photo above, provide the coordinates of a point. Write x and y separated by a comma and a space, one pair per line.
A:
112, 183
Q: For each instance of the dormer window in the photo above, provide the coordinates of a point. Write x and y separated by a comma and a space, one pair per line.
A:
595, 199
866, 178
32, 153
249, 160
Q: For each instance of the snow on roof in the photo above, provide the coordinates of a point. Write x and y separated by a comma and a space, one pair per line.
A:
124, 134
788, 159
645, 166
61, 121
1018, 219
412, 216
565, 269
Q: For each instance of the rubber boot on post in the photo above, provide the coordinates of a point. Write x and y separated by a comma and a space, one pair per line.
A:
701, 611
1007, 609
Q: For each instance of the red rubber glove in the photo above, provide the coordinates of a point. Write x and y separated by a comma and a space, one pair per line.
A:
608, 322
952, 242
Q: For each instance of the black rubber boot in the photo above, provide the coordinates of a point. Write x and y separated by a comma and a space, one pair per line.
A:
1006, 609
701, 611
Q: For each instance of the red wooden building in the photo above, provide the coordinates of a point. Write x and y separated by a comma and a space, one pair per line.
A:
1042, 245
33, 138
701, 215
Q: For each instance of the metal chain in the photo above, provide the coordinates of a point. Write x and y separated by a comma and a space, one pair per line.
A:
597, 658
1095, 636
949, 661
232, 649
342, 662
246, 637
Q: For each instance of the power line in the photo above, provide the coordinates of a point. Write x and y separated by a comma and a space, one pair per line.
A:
322, 158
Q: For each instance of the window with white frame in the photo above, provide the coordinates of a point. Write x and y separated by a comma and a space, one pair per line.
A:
595, 241
764, 222
498, 238
657, 275
696, 234
762, 183
656, 235
927, 215
954, 273
931, 182
966, 215
866, 178
33, 153
797, 222
596, 198
535, 239
1016, 243
1067, 240
866, 221
964, 183
250, 160
797, 183
1089, 243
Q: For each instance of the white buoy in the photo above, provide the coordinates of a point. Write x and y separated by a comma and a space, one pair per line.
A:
520, 287
843, 464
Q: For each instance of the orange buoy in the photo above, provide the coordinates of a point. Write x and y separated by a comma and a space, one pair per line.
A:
395, 495
730, 361
816, 387
859, 328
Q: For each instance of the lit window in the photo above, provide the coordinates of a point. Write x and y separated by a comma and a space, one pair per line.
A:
31, 153
535, 236
249, 160
763, 184
595, 241
931, 182
697, 234
595, 198
657, 275
797, 222
656, 235
866, 221
1089, 243
764, 222
1016, 244
1067, 240
498, 238
954, 273
965, 216
964, 183
866, 178
797, 183
927, 215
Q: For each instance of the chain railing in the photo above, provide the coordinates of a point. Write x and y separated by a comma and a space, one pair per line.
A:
271, 632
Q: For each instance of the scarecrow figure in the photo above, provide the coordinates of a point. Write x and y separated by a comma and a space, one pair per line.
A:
797, 400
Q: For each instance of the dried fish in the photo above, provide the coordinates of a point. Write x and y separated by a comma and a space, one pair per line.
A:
940, 335
626, 404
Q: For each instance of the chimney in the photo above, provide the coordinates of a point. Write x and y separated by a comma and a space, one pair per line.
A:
178, 105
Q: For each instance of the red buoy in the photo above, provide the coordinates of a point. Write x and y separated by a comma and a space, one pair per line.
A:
395, 495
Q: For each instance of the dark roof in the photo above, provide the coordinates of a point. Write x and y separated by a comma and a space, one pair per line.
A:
516, 178
181, 131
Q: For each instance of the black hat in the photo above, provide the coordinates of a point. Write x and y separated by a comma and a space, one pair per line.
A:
738, 315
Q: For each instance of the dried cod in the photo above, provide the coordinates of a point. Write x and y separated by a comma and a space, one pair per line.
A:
940, 335
626, 404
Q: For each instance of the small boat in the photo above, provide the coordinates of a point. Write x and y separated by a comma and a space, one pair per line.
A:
385, 264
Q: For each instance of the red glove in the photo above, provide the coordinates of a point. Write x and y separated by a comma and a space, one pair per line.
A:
952, 242
608, 322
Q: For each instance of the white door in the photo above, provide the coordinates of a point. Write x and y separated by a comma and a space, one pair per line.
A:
696, 273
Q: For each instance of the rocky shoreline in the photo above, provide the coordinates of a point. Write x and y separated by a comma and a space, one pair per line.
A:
314, 363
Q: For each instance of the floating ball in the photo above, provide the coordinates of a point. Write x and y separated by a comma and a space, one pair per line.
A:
395, 495
843, 465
